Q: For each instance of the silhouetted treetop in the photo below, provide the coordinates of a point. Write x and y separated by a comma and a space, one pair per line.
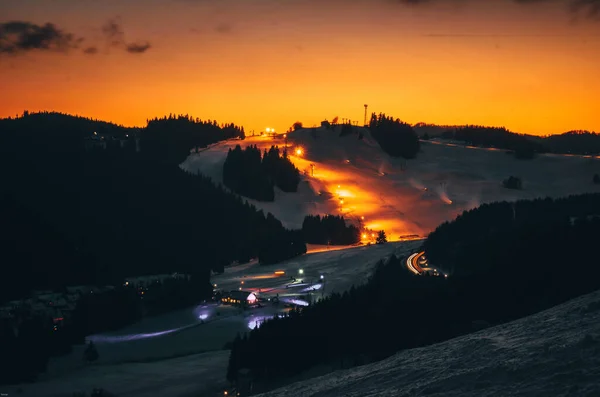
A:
396, 138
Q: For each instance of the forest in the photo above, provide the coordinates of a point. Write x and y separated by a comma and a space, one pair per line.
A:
330, 230
396, 138
118, 211
83, 203
254, 175
526, 146
502, 267
522, 146
171, 138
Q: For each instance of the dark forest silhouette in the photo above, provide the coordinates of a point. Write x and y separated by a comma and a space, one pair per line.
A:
526, 146
500, 269
396, 138
171, 138
253, 175
81, 205
329, 229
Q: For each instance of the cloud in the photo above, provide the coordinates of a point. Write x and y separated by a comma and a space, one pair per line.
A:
20, 37
590, 8
115, 35
138, 48
90, 50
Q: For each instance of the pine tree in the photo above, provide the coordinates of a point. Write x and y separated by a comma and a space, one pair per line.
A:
381, 237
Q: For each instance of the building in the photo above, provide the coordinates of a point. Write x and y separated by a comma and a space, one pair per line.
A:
241, 298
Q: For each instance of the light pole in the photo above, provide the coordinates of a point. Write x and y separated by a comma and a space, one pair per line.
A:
366, 106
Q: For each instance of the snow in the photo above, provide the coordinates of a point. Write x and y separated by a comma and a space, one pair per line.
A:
392, 196
194, 375
552, 353
182, 352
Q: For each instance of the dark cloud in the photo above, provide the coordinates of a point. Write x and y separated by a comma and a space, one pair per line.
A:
90, 50
115, 35
21, 37
138, 48
590, 8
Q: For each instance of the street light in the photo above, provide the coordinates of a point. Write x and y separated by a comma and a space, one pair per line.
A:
301, 271
322, 277
299, 152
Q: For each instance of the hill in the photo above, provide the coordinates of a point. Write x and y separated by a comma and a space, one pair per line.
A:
403, 197
554, 352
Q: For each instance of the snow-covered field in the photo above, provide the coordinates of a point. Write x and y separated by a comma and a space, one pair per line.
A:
402, 197
552, 353
139, 360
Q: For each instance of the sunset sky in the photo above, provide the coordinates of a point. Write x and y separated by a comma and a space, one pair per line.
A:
530, 65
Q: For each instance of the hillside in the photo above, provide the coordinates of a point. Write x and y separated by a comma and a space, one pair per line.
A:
554, 352
404, 197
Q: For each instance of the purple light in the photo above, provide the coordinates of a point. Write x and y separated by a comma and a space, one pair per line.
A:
297, 302
313, 288
127, 338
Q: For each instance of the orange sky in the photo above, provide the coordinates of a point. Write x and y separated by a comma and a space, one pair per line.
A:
268, 63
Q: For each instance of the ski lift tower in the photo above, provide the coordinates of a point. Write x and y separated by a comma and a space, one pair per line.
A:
366, 106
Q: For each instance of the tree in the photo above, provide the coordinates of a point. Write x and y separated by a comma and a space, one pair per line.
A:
90, 354
395, 137
381, 237
297, 125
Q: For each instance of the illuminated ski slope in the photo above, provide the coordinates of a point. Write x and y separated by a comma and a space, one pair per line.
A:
345, 175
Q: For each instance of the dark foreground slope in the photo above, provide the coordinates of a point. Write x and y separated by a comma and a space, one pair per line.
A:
552, 353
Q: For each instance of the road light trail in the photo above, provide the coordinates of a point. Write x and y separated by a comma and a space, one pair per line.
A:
412, 263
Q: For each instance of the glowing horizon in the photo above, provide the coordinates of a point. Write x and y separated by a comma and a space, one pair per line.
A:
530, 68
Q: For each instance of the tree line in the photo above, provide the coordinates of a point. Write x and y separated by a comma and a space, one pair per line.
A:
329, 229
526, 146
501, 268
253, 175
171, 138
396, 138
